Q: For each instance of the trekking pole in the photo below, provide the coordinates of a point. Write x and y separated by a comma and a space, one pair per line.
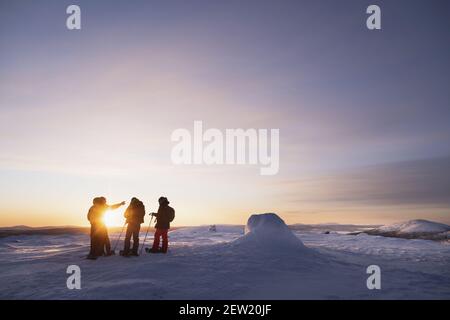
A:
118, 239
145, 238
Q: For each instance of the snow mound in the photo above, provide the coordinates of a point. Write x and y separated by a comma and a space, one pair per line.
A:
268, 231
416, 226
414, 229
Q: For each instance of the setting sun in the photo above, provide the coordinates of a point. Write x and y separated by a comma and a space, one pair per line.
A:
113, 218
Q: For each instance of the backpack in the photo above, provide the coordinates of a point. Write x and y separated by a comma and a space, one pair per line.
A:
171, 215
141, 213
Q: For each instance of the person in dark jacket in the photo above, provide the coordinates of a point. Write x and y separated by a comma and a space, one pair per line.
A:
164, 217
134, 216
100, 244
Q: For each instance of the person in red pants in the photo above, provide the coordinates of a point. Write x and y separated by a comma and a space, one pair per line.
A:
164, 217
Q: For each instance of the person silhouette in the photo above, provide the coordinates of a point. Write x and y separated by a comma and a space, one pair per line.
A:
164, 217
134, 216
100, 244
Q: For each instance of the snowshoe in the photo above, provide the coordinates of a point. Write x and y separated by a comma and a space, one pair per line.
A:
151, 250
124, 254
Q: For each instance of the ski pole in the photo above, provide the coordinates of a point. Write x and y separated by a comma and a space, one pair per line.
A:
145, 238
120, 235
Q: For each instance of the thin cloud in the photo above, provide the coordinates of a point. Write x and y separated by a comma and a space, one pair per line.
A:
417, 182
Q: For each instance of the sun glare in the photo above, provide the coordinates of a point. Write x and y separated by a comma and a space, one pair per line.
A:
113, 218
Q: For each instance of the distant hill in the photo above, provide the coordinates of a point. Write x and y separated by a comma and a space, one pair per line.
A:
20, 227
333, 227
414, 229
24, 227
46, 231
25, 230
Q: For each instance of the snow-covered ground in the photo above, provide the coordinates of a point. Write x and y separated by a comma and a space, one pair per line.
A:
268, 262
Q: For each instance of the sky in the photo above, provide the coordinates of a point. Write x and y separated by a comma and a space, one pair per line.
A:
363, 114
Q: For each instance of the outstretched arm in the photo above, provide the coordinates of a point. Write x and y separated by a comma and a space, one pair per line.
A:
117, 205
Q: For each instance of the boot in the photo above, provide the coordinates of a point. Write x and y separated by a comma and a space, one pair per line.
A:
109, 253
134, 250
124, 253
154, 250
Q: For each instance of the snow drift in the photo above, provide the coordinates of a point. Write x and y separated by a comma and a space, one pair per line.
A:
414, 229
412, 226
270, 233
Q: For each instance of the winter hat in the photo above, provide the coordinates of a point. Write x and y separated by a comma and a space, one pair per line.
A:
163, 200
